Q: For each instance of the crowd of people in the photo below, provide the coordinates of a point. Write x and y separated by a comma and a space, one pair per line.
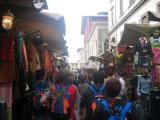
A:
100, 99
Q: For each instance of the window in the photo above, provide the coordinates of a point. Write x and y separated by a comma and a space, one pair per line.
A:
131, 2
112, 17
144, 19
158, 6
121, 7
113, 40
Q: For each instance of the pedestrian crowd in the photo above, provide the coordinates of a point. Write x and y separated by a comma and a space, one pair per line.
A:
97, 99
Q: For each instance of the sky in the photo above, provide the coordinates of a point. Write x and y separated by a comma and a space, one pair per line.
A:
73, 10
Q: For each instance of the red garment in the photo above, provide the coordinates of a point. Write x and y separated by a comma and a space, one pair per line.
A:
156, 55
72, 90
6, 47
6, 58
128, 69
6, 72
156, 74
24, 57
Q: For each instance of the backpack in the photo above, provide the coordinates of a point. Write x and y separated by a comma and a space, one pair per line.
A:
60, 99
39, 91
122, 111
98, 97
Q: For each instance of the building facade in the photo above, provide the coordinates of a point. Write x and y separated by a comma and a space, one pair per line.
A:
74, 67
127, 11
94, 29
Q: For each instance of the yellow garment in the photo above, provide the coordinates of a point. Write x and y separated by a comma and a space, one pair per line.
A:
34, 59
48, 64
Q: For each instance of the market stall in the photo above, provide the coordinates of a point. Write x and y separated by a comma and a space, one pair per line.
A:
109, 63
26, 47
144, 41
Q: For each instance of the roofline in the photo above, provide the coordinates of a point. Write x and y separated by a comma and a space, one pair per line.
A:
85, 17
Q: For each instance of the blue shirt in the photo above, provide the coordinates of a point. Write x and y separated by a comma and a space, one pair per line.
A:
144, 85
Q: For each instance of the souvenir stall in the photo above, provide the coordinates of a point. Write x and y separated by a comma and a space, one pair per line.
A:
144, 40
109, 63
28, 38
137, 38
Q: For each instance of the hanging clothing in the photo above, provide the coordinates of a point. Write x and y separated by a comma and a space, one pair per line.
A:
16, 83
24, 57
33, 62
156, 55
6, 93
128, 68
33, 57
156, 74
6, 72
6, 58
155, 42
48, 64
143, 49
6, 47
144, 52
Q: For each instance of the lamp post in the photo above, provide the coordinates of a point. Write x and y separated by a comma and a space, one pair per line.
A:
7, 20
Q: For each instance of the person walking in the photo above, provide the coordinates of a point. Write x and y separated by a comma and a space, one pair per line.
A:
41, 110
113, 107
74, 94
83, 86
143, 90
122, 79
94, 92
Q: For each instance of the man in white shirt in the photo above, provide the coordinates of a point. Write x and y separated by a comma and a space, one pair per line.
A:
123, 85
121, 78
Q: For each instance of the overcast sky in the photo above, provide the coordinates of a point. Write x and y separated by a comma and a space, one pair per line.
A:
73, 10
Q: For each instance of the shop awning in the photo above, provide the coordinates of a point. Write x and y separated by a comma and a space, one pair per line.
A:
108, 56
95, 58
132, 32
51, 25
153, 16
22, 3
53, 20
30, 20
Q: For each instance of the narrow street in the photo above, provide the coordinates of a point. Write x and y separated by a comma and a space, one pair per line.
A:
80, 60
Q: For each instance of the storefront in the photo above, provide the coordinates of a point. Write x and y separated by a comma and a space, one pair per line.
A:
142, 40
25, 48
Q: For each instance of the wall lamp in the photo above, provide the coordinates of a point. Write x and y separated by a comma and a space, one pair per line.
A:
8, 20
